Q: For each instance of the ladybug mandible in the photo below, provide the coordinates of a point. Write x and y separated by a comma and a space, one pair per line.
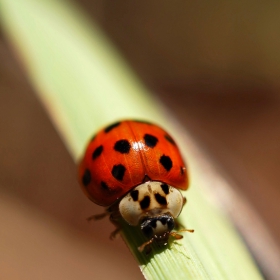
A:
134, 168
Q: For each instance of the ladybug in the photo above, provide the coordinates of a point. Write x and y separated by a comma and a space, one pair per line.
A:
135, 169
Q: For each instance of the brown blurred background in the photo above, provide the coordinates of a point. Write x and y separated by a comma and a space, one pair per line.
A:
215, 65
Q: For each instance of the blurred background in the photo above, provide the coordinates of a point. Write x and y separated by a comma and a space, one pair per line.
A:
215, 66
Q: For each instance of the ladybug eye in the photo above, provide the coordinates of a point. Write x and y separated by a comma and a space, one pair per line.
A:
170, 223
147, 230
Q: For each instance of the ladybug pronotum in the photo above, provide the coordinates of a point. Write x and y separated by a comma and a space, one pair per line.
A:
135, 169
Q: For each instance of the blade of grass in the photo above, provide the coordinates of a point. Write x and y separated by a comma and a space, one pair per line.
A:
84, 84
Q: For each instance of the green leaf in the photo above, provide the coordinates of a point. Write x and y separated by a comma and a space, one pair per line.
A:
85, 84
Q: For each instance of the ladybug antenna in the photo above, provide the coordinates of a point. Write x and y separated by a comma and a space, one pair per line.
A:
177, 236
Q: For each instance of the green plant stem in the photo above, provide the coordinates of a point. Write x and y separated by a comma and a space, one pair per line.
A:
84, 84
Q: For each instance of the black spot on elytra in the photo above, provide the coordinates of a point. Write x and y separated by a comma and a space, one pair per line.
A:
182, 170
134, 194
110, 127
150, 140
86, 178
145, 202
118, 171
104, 186
165, 188
169, 139
97, 152
122, 146
160, 199
166, 162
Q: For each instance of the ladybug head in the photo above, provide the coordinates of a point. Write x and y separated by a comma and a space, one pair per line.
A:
153, 206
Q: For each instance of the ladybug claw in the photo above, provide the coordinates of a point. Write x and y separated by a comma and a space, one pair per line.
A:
115, 233
98, 216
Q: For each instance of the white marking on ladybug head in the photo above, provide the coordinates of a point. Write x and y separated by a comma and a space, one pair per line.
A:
160, 228
150, 199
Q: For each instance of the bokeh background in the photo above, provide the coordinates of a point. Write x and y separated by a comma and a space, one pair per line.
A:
216, 66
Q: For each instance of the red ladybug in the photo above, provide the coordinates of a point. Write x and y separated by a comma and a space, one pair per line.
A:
135, 169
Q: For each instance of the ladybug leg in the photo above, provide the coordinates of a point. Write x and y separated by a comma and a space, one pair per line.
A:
114, 218
115, 233
98, 216
184, 201
111, 211
146, 244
